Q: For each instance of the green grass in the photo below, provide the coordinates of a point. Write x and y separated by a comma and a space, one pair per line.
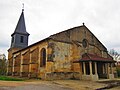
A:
6, 78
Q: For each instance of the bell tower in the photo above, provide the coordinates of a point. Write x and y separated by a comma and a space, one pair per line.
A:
20, 35
19, 40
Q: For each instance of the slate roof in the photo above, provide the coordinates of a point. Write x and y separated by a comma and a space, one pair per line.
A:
21, 27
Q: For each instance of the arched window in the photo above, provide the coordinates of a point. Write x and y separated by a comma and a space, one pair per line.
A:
43, 57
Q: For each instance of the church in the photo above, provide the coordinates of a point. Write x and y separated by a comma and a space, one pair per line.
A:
75, 53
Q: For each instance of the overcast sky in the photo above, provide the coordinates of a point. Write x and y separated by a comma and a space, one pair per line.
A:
46, 17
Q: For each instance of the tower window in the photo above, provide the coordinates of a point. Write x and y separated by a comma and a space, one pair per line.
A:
12, 39
21, 39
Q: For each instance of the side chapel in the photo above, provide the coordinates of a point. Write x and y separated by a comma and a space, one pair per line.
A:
75, 53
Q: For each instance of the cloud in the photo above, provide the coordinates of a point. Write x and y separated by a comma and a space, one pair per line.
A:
47, 17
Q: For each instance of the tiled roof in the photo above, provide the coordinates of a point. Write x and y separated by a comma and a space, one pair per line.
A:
92, 57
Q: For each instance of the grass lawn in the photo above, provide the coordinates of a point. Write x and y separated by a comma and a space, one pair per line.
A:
6, 78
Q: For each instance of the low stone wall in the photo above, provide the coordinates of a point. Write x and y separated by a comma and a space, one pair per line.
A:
86, 77
24, 74
111, 76
90, 77
16, 73
94, 77
62, 75
33, 75
77, 75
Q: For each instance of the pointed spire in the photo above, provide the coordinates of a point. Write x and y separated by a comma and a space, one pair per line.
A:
23, 7
20, 35
21, 27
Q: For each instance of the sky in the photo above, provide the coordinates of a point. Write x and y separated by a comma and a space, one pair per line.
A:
46, 17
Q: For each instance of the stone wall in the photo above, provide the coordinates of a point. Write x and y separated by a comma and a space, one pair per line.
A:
62, 75
60, 52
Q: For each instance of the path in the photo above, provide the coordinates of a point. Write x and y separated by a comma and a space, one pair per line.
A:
31, 86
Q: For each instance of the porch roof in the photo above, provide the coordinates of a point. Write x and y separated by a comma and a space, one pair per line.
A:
92, 57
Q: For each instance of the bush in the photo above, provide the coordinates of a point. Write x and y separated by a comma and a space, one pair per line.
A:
5, 78
3, 67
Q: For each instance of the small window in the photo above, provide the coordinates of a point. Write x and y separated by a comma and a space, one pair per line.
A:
84, 43
21, 39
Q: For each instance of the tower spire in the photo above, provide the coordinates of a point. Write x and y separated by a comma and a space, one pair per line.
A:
22, 7
20, 35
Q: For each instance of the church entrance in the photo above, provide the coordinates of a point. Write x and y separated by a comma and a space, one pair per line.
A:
102, 72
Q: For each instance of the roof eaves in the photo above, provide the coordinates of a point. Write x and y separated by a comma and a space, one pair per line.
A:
32, 45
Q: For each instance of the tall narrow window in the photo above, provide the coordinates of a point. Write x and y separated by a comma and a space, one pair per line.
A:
12, 39
43, 57
21, 39
84, 43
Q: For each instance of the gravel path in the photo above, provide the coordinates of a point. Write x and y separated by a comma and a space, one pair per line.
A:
36, 87
60, 85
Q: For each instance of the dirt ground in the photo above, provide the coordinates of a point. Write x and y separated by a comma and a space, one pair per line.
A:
60, 85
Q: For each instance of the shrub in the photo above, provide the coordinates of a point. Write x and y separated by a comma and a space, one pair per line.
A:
5, 78
3, 67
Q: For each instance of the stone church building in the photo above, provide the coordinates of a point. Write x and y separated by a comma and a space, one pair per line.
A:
75, 53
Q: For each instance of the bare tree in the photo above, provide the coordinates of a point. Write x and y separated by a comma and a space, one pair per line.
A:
3, 66
114, 54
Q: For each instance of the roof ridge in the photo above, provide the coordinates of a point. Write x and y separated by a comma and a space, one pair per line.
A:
66, 30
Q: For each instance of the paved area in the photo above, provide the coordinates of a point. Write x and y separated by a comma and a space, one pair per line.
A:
31, 85
35, 87
60, 85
